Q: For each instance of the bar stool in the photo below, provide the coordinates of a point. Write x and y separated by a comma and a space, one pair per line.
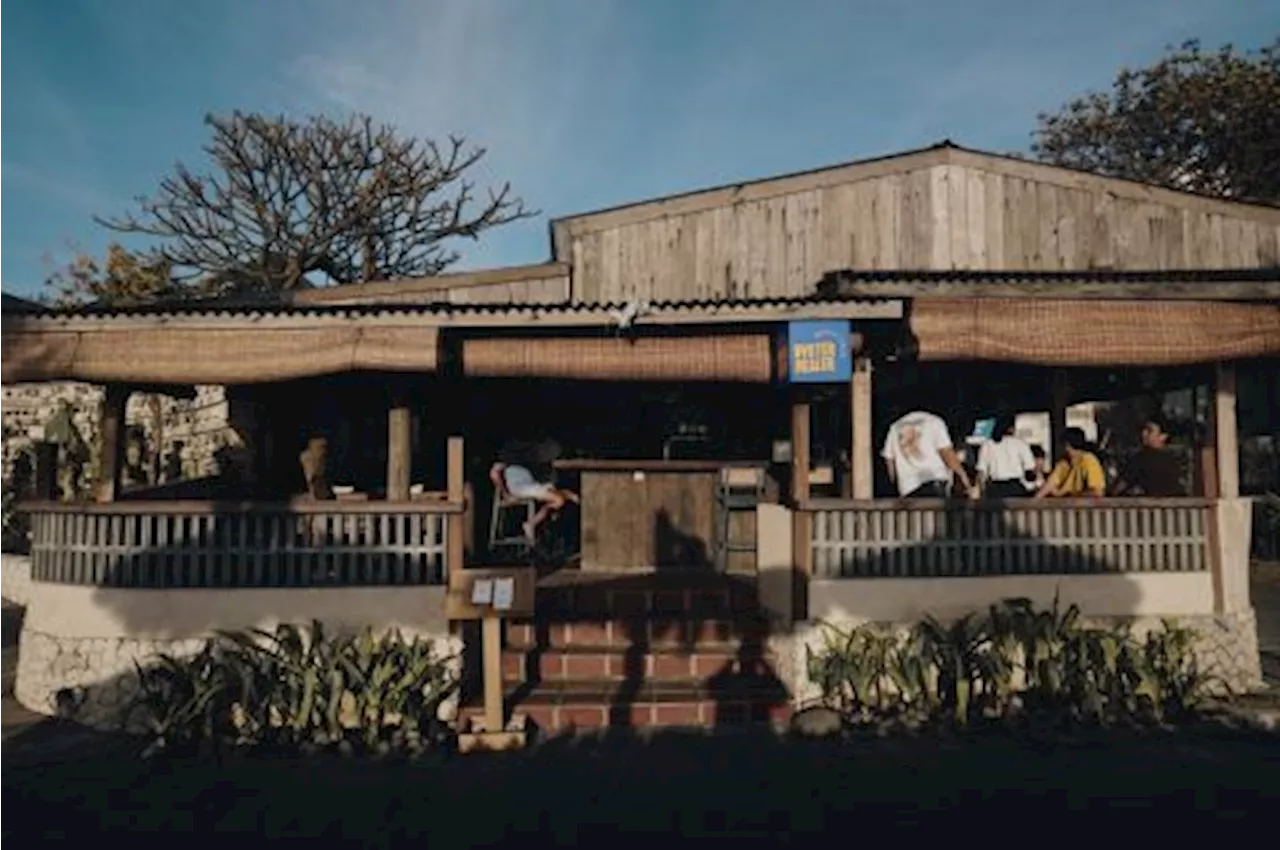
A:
505, 507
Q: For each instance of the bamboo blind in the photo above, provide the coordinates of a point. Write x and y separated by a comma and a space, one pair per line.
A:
746, 358
1093, 333
208, 355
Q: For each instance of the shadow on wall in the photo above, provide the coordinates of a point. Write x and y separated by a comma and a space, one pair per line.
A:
220, 573
974, 541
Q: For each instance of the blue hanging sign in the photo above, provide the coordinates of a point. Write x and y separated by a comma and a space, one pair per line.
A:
818, 352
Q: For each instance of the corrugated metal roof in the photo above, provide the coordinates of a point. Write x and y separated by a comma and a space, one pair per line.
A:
250, 308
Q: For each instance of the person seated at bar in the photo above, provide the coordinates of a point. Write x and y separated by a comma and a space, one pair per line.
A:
513, 476
1078, 474
314, 460
1005, 467
1156, 470
920, 458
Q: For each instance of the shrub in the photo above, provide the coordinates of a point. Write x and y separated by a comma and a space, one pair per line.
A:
296, 689
1014, 661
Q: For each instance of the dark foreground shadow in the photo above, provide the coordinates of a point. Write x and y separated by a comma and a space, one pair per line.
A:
684, 787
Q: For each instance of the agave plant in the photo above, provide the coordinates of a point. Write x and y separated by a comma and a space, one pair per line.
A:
856, 669
297, 687
958, 652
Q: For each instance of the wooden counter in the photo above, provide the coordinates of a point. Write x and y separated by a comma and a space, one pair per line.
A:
649, 514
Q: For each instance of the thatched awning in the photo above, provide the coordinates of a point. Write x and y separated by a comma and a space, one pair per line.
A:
745, 358
210, 354
1093, 332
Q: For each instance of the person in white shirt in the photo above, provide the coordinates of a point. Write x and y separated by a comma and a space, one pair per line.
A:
920, 458
1006, 467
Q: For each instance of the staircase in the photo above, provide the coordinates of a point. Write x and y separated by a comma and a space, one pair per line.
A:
642, 651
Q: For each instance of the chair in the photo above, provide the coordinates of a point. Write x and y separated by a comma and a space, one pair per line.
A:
506, 508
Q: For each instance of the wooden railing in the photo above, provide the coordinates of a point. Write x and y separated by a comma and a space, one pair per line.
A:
932, 539
223, 544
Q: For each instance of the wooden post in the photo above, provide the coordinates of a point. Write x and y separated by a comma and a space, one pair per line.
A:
861, 450
44, 471
1206, 484
111, 432
491, 640
1060, 398
399, 446
801, 541
1225, 437
457, 494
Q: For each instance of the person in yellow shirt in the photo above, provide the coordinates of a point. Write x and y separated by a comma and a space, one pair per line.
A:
1077, 475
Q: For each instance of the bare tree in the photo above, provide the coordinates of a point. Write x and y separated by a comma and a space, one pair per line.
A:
286, 201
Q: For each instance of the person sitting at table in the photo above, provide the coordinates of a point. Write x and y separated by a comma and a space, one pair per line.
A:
1005, 464
513, 477
1156, 471
1078, 474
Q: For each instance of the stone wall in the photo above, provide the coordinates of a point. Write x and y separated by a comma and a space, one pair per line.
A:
1227, 647
15, 578
79, 645
200, 423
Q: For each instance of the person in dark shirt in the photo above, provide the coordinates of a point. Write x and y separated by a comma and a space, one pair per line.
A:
1155, 471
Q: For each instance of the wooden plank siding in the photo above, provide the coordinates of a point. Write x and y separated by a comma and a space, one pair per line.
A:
968, 212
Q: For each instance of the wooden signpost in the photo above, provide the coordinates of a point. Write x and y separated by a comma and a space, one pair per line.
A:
491, 595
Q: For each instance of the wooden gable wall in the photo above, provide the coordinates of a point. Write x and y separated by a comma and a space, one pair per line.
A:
940, 209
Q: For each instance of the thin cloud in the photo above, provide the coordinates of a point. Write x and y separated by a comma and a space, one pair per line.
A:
81, 196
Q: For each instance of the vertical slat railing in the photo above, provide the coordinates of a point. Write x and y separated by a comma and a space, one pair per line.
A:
127, 545
936, 539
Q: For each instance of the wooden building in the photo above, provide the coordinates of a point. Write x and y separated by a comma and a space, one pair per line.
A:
661, 348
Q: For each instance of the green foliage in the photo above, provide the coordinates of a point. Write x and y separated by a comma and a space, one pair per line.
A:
296, 689
1013, 662
1206, 122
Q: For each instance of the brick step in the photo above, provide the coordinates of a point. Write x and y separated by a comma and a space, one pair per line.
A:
577, 595
560, 706
613, 665
646, 631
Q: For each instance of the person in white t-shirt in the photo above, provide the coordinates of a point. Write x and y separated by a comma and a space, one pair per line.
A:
1006, 467
920, 458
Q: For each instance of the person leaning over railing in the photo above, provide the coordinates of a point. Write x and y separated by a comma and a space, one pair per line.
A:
1078, 474
1006, 466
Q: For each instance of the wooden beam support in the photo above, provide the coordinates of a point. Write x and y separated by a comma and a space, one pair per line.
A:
1225, 435
111, 435
491, 644
801, 540
399, 446
1059, 400
44, 471
455, 460
861, 449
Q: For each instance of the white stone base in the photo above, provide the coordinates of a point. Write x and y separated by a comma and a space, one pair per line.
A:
98, 679
84, 642
15, 578
1227, 648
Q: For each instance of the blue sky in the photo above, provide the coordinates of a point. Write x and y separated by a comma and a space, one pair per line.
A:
581, 103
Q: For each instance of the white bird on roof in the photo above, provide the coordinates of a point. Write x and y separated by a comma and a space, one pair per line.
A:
627, 316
